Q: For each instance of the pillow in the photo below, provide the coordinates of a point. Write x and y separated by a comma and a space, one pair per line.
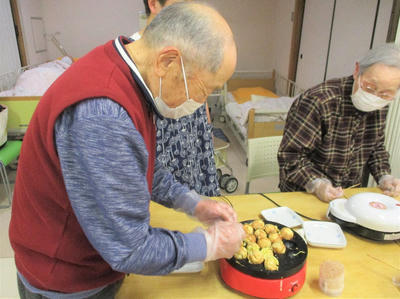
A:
243, 94
254, 98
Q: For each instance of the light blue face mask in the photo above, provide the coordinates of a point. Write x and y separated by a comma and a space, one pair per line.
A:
186, 108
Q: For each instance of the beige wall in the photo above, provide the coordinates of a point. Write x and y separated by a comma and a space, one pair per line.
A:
263, 32
262, 28
252, 23
85, 24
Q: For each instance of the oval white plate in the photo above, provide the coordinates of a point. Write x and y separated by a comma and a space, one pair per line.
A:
282, 215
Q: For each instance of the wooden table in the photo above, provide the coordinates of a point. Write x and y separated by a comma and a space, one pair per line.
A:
369, 265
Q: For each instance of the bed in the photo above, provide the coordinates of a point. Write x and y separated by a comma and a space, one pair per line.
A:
261, 113
21, 90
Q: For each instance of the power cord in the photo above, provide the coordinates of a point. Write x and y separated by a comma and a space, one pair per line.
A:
226, 199
275, 203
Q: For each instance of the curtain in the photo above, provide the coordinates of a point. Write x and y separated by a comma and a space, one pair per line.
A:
392, 139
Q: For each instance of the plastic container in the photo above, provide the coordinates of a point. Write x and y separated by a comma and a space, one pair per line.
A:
396, 280
331, 278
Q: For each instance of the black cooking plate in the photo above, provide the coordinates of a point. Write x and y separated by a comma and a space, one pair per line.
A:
289, 263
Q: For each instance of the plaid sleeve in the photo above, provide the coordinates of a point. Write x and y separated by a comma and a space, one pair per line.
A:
301, 136
378, 163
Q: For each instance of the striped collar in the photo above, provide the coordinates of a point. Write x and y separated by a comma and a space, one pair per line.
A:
119, 44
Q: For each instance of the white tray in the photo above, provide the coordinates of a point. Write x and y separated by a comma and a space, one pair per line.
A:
282, 215
190, 268
324, 234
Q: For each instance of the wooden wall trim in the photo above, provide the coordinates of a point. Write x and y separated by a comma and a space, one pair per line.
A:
394, 21
18, 31
296, 36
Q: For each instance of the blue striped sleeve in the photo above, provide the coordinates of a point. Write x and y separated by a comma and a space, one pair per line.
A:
104, 162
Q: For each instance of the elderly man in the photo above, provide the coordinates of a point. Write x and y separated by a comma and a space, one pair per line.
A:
87, 171
184, 144
335, 129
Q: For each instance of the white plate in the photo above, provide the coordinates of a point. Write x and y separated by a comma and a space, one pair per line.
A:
324, 234
190, 268
282, 215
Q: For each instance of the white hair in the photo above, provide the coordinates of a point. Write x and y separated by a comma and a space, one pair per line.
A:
387, 54
190, 30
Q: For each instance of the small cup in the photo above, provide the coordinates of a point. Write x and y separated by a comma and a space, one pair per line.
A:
396, 280
331, 278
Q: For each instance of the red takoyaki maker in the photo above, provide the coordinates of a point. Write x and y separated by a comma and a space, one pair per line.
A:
256, 281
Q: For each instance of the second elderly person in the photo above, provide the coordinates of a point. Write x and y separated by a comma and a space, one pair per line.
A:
184, 142
337, 128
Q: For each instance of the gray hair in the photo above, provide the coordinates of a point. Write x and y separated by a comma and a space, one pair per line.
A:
387, 54
191, 31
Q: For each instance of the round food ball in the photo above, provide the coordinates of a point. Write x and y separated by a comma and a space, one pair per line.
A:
271, 263
256, 224
260, 234
270, 228
266, 252
264, 243
252, 246
273, 237
241, 254
255, 257
248, 229
278, 247
250, 239
286, 233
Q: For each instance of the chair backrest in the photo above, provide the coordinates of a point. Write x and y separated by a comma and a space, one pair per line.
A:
262, 157
20, 110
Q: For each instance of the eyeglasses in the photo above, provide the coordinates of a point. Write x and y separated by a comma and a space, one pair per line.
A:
371, 88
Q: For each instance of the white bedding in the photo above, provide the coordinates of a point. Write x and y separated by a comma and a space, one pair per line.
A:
35, 81
276, 107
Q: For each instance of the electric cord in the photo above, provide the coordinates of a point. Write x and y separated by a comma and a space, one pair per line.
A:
275, 203
226, 199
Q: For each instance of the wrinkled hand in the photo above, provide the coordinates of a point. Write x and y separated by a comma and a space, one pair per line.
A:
390, 185
209, 211
223, 239
324, 190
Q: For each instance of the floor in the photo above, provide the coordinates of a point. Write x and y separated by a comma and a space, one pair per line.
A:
8, 282
235, 159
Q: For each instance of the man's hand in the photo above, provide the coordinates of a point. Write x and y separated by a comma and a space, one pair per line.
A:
324, 190
223, 239
390, 185
209, 211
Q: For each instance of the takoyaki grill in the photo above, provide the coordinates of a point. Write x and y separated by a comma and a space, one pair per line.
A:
254, 278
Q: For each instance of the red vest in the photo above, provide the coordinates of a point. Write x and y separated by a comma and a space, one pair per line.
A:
51, 250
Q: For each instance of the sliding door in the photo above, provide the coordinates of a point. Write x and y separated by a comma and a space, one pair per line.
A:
336, 34
352, 32
314, 42
9, 48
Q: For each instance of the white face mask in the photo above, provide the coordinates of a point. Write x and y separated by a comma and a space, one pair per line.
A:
186, 108
366, 101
